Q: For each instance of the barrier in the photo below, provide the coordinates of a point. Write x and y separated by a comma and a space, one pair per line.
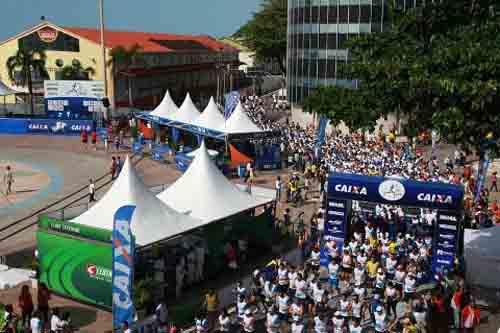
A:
44, 126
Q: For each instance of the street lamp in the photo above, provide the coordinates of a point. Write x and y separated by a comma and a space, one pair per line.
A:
103, 53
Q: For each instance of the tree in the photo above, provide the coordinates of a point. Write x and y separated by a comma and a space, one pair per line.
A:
23, 66
77, 72
122, 59
437, 64
266, 32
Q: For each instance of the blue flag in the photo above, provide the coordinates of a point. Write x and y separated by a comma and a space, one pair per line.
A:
123, 267
232, 101
321, 134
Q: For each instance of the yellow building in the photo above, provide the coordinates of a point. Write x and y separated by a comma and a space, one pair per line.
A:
179, 63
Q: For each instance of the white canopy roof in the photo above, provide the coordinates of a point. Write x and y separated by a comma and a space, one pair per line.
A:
152, 221
5, 90
206, 193
239, 122
211, 153
166, 108
211, 117
187, 112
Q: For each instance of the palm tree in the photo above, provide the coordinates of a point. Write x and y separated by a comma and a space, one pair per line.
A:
77, 72
23, 65
122, 59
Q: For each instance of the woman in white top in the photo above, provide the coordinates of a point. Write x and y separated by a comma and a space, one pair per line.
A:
248, 322
356, 307
399, 275
300, 288
359, 274
338, 323
410, 285
380, 320
319, 324
224, 321
344, 306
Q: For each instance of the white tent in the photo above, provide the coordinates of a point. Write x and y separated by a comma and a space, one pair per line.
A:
482, 256
205, 193
187, 112
211, 153
239, 122
211, 117
5, 90
152, 220
166, 108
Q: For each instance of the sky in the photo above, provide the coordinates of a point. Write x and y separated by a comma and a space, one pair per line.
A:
213, 17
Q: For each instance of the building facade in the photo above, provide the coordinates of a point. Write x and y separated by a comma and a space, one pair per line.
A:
317, 34
180, 63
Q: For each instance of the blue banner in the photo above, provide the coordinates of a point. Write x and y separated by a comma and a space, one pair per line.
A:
482, 172
123, 266
445, 242
232, 100
175, 134
53, 126
321, 134
336, 216
395, 191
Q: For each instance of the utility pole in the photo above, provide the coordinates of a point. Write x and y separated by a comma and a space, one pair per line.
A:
103, 54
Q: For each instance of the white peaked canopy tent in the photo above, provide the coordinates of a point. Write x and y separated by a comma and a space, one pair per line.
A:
239, 122
211, 117
5, 90
206, 194
152, 220
211, 153
187, 112
166, 108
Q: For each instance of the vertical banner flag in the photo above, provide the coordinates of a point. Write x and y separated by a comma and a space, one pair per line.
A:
482, 171
123, 266
321, 134
335, 223
232, 100
446, 242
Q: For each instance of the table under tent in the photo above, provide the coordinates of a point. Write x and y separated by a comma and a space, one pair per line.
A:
189, 127
182, 235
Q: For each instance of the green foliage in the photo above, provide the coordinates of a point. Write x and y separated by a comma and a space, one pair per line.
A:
121, 59
265, 33
438, 65
77, 72
27, 62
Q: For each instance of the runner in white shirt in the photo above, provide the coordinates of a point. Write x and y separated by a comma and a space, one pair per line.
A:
356, 307
380, 320
36, 323
319, 324
272, 321
298, 327
338, 323
301, 287
344, 306
283, 303
359, 274
224, 322
248, 322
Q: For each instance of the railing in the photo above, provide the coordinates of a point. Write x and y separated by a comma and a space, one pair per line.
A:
74, 197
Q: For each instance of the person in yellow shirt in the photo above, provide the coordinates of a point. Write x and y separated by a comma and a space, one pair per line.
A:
392, 247
371, 268
211, 303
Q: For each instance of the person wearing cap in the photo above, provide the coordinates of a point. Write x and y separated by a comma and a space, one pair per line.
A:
338, 323
381, 321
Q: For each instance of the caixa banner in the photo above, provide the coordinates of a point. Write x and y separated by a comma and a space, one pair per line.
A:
445, 242
62, 127
395, 191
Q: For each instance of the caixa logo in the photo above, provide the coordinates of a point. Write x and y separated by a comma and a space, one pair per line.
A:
80, 127
99, 273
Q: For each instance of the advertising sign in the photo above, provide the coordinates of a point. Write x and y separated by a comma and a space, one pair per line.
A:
54, 126
73, 99
232, 100
445, 242
48, 34
396, 191
74, 229
123, 266
336, 215
76, 268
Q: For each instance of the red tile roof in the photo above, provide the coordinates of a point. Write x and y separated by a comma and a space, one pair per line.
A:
146, 39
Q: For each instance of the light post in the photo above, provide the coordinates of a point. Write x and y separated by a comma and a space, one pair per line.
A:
103, 53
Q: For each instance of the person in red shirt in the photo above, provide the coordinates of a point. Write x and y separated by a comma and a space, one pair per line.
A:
439, 318
494, 182
471, 316
456, 305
